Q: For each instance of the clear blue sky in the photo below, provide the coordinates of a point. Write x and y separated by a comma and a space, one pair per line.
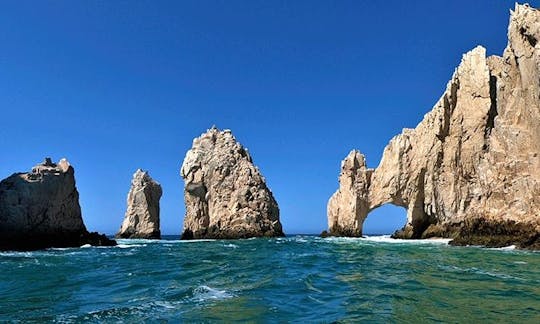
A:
120, 85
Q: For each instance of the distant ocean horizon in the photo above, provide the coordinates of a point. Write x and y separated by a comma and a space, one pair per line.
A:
297, 278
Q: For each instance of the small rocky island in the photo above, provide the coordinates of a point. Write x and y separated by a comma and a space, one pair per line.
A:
142, 215
226, 196
471, 169
40, 209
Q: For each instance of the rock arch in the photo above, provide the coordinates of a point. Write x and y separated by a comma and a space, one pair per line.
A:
471, 168
385, 219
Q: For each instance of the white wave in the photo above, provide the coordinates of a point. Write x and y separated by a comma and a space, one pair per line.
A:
204, 293
19, 254
389, 239
164, 304
59, 249
386, 239
230, 245
505, 248
194, 241
86, 246
136, 241
127, 246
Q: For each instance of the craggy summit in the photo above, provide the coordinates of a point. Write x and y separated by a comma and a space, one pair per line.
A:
40, 209
471, 169
225, 194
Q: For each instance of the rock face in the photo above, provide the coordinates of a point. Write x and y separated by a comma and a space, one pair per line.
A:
142, 214
225, 194
471, 169
40, 209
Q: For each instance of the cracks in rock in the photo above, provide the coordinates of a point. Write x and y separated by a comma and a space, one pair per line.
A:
449, 104
492, 113
528, 37
419, 219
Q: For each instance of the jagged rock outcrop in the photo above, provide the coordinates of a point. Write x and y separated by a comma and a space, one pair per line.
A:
348, 207
142, 214
40, 209
225, 194
471, 169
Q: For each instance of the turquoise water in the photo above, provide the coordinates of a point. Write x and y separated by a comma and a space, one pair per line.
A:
293, 279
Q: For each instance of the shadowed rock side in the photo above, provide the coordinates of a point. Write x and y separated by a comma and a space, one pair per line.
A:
142, 214
40, 209
471, 169
225, 194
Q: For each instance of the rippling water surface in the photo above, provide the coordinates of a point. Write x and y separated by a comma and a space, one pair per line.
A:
293, 279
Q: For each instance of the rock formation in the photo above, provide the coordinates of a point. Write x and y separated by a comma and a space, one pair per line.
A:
225, 194
142, 214
471, 169
41, 209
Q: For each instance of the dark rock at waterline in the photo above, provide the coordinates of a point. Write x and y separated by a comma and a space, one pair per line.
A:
63, 240
497, 234
214, 232
482, 232
40, 209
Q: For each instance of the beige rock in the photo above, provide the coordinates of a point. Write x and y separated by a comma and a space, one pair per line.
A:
225, 194
142, 214
474, 158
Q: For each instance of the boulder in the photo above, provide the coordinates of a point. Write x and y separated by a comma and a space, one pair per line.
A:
226, 196
142, 215
40, 209
472, 165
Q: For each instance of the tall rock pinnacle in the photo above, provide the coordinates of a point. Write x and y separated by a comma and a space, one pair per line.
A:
225, 194
142, 214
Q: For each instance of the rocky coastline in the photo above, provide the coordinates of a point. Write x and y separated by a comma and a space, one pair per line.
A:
470, 170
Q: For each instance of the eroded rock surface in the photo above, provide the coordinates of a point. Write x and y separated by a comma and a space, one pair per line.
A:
40, 209
142, 214
474, 158
225, 194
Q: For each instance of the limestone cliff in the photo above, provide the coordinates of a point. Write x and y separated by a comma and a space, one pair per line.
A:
471, 169
40, 209
142, 214
225, 194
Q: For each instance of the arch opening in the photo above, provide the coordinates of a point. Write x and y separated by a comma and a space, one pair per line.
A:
385, 220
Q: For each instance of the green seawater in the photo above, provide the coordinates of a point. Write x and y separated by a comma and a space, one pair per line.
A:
301, 279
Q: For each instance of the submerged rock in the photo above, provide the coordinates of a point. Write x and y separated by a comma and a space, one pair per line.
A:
142, 214
225, 194
40, 209
473, 159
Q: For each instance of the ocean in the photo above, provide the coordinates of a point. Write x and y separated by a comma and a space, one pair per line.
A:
301, 279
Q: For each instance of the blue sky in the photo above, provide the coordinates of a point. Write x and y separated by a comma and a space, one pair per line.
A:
120, 85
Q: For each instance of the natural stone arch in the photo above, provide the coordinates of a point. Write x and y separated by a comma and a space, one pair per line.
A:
384, 219
470, 170
363, 190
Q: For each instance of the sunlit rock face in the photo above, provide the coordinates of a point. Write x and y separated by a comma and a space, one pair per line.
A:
225, 194
142, 214
348, 207
471, 168
40, 209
